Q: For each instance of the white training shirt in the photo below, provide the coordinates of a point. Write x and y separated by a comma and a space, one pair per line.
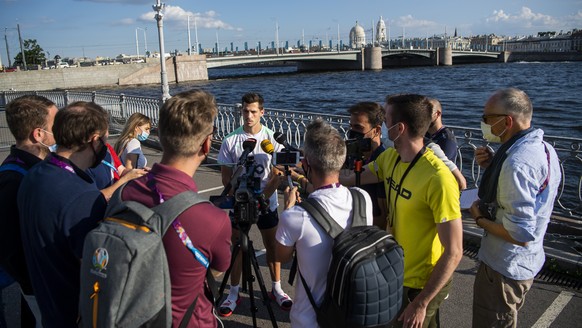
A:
231, 150
313, 246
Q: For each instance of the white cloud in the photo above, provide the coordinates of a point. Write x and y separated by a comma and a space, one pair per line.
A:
126, 21
410, 22
525, 17
179, 16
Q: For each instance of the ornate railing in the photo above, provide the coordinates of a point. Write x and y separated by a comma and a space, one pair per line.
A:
293, 123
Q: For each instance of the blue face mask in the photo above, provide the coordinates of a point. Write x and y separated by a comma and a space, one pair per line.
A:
143, 136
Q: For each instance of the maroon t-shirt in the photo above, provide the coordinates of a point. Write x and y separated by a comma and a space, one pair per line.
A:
209, 229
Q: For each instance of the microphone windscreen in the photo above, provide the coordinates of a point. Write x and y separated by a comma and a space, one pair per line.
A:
267, 146
280, 137
249, 144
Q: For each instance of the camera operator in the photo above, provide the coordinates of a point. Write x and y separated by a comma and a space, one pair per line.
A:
230, 151
325, 153
366, 120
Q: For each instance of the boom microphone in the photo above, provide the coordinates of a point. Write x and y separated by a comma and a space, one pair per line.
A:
267, 146
280, 138
248, 146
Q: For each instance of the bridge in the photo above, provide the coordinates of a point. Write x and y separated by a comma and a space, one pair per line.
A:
351, 59
195, 67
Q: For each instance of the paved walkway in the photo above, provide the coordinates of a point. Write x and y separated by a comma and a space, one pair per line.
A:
548, 304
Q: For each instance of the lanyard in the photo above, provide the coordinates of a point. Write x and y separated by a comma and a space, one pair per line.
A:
110, 165
61, 164
178, 227
399, 186
329, 186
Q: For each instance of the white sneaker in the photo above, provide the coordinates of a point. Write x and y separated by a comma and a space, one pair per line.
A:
284, 301
228, 306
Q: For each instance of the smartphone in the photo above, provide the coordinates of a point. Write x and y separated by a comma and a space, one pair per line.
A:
224, 202
289, 158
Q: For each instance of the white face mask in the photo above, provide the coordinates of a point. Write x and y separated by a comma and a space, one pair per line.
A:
52, 148
390, 128
488, 135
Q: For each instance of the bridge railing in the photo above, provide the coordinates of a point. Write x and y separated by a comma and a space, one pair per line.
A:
292, 124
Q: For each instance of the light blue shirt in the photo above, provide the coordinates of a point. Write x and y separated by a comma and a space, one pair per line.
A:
522, 209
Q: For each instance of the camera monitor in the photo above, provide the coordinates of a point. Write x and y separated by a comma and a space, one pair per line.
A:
288, 158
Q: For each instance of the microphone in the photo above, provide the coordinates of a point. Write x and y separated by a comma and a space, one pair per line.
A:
267, 146
248, 146
280, 138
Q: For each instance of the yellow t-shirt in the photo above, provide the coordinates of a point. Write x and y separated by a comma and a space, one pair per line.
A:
429, 195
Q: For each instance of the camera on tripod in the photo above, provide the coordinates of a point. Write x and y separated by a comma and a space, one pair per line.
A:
355, 149
249, 203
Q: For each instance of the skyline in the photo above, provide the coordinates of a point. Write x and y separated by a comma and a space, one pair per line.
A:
107, 28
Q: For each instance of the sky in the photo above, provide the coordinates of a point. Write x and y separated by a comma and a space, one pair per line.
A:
107, 28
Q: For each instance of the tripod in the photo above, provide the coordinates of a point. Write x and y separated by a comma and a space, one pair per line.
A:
245, 244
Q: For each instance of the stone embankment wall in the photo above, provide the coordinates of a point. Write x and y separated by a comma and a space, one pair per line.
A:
544, 56
185, 68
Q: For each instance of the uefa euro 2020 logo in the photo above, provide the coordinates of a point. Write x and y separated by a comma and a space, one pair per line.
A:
100, 260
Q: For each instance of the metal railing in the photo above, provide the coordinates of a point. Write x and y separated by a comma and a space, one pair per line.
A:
292, 124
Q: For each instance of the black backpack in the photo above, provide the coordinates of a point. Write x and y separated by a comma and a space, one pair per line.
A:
365, 277
125, 280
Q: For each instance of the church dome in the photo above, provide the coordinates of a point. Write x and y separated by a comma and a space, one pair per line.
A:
357, 36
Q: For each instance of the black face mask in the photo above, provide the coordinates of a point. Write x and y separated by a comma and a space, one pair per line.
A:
99, 156
355, 135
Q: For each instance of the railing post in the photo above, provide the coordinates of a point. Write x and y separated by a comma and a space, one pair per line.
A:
122, 108
66, 97
93, 96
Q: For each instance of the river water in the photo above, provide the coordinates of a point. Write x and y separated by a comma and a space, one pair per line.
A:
554, 87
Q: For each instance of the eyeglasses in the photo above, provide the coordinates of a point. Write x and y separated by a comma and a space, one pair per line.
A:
485, 117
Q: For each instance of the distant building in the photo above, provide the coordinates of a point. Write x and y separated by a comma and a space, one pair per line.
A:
543, 42
381, 32
357, 37
488, 42
577, 40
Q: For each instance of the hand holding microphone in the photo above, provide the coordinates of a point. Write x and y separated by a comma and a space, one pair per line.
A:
268, 148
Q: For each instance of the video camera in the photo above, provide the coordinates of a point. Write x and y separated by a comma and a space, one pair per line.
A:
356, 146
248, 202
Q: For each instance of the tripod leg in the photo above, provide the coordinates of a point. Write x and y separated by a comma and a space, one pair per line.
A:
266, 300
248, 280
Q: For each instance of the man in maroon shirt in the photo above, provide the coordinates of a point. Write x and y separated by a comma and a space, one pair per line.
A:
185, 131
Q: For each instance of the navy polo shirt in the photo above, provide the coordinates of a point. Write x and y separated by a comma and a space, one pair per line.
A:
11, 252
375, 190
58, 206
445, 138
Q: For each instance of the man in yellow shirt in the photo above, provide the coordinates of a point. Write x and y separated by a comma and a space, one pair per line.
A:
423, 209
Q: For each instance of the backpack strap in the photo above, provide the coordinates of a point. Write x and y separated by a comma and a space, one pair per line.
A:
13, 167
328, 224
358, 208
321, 216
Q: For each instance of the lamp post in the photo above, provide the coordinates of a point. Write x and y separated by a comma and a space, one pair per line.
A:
136, 44
21, 48
196, 34
145, 40
189, 42
7, 49
158, 7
